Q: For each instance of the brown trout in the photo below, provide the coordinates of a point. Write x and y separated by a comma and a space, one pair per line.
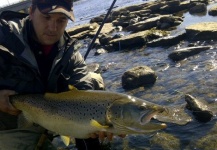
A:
79, 113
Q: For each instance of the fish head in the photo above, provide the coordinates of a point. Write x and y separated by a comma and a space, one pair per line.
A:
134, 114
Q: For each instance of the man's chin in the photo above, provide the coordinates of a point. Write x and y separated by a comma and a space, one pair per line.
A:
49, 41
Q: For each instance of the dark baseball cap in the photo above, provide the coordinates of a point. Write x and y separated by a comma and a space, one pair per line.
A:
55, 6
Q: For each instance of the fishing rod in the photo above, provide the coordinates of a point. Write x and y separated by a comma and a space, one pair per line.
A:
98, 31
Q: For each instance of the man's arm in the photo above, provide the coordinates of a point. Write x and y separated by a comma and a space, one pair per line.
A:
79, 76
5, 105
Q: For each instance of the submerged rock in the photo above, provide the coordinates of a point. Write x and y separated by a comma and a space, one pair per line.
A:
165, 141
207, 142
187, 52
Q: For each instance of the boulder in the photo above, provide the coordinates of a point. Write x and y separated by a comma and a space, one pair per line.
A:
138, 76
198, 8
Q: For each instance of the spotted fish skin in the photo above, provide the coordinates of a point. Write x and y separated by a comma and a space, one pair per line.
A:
79, 113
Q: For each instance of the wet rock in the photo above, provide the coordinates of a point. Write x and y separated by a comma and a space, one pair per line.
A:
165, 141
121, 23
200, 1
142, 13
136, 39
118, 35
199, 108
153, 22
144, 25
173, 2
82, 31
138, 76
198, 8
202, 31
126, 11
127, 17
134, 8
97, 19
107, 29
100, 51
82, 28
187, 52
93, 67
100, 19
168, 40
124, 20
104, 39
213, 11
155, 6
118, 12
171, 9
168, 21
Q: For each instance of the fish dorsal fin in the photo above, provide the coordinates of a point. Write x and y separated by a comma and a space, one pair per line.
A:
94, 123
71, 87
65, 139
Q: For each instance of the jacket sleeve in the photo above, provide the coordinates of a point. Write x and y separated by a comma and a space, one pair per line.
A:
78, 74
2, 36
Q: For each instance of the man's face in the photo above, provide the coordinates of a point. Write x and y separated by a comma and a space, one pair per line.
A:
48, 27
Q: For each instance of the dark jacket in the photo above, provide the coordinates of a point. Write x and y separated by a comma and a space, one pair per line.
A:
19, 69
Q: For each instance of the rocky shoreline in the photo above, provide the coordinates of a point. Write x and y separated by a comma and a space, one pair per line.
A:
151, 24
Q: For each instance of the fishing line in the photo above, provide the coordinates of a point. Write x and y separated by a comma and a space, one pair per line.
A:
98, 31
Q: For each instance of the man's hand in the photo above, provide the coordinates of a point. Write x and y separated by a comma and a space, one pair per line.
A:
5, 105
102, 135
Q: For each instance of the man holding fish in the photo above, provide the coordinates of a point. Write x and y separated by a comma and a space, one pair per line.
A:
37, 56
32, 52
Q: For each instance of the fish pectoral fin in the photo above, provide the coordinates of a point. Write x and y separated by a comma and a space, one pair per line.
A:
71, 87
94, 123
65, 139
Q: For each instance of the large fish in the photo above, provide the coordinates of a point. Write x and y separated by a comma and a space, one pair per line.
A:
79, 113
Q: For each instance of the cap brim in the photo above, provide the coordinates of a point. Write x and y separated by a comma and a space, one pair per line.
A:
69, 14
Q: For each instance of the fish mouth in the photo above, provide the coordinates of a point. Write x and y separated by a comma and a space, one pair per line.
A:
149, 114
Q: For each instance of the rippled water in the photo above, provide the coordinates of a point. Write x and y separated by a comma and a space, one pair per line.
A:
196, 75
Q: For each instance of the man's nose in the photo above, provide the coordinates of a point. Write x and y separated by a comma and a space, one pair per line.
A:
52, 26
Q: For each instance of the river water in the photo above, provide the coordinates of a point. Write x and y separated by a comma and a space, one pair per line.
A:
196, 75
